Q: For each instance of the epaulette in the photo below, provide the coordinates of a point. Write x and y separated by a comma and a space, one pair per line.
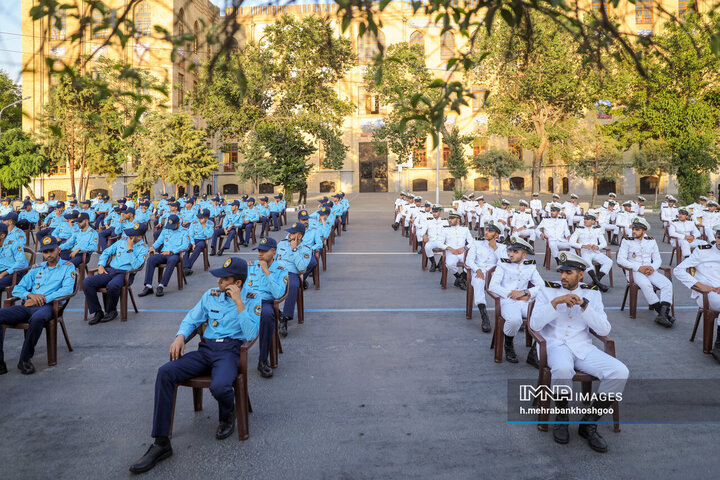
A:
505, 260
627, 238
281, 268
550, 284
676, 220
251, 295
648, 237
36, 265
597, 226
704, 247
529, 262
214, 292
446, 226
68, 263
588, 287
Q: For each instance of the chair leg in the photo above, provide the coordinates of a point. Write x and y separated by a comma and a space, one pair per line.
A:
616, 416
51, 337
179, 274
61, 321
86, 311
627, 289
243, 407
197, 399
633, 300
708, 331
132, 299
499, 338
469, 295
123, 304
316, 277
697, 322
300, 304
274, 346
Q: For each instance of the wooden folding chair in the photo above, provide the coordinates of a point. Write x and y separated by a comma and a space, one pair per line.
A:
18, 274
585, 379
676, 252
596, 265
498, 337
316, 271
300, 302
470, 294
632, 290
221, 240
179, 270
125, 292
58, 307
242, 398
709, 317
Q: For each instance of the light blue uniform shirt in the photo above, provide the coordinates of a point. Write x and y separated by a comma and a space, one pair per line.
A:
52, 203
262, 210
313, 239
90, 212
17, 236
295, 261
187, 216
65, 230
41, 207
222, 316
215, 210
250, 215
275, 207
266, 287
120, 227
5, 209
143, 217
198, 232
232, 220
86, 241
32, 216
173, 241
121, 258
12, 257
53, 282
102, 207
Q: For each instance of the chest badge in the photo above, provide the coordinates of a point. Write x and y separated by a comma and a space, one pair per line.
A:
214, 323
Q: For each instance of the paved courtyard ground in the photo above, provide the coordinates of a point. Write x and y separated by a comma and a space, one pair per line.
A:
386, 379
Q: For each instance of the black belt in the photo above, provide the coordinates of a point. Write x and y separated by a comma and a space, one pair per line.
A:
222, 340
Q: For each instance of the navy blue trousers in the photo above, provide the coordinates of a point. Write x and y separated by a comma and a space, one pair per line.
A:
77, 259
248, 230
311, 266
113, 281
219, 359
154, 260
103, 237
6, 281
274, 216
188, 262
228, 240
267, 328
98, 220
263, 222
343, 217
36, 317
291, 299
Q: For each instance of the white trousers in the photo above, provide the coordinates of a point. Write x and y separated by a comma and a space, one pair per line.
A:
556, 245
611, 372
513, 312
609, 227
451, 261
596, 255
430, 245
686, 246
478, 285
527, 232
657, 279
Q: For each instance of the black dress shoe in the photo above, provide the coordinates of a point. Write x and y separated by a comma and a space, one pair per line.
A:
212, 252
154, 454
109, 316
264, 369
532, 357
3, 368
26, 367
146, 291
226, 427
596, 442
159, 292
305, 284
561, 434
283, 328
187, 272
344, 229
220, 252
96, 318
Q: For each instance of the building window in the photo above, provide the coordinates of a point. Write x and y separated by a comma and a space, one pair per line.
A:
181, 22
181, 89
230, 189
98, 19
478, 103
643, 12
266, 188
514, 147
517, 183
230, 158
143, 19
327, 186
448, 184
480, 145
684, 6
368, 104
417, 39
481, 184
419, 185
58, 169
367, 47
447, 46
420, 155
446, 154
58, 29
196, 39
597, 4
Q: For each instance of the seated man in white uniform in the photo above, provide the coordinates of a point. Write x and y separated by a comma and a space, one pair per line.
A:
564, 313
511, 283
555, 230
590, 240
572, 211
640, 254
611, 198
484, 211
421, 223
502, 215
606, 217
624, 219
555, 201
434, 235
456, 237
706, 261
669, 213
470, 208
536, 207
685, 233
482, 256
522, 224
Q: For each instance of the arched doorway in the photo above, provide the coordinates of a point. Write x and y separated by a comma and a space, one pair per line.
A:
481, 184
648, 184
605, 186
419, 185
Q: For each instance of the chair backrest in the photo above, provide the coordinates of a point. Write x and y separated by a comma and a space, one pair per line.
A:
76, 288
29, 255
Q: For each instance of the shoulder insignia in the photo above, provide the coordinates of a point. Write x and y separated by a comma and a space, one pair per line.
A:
676, 220
69, 263
250, 283
597, 226
588, 287
647, 237
529, 262
550, 284
704, 247
250, 295
73, 275
281, 268
446, 226
627, 238
505, 260
214, 292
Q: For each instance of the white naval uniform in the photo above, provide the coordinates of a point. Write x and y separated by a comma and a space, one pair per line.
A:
523, 219
481, 256
536, 209
634, 254
470, 209
569, 342
668, 214
556, 229
623, 220
591, 236
399, 202
640, 210
573, 213
605, 218
435, 233
405, 211
455, 237
485, 212
510, 276
421, 223
678, 230
503, 214
706, 261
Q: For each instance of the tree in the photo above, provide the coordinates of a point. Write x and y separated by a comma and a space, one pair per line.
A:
457, 160
654, 159
281, 89
175, 151
540, 85
10, 92
678, 103
256, 164
498, 164
20, 160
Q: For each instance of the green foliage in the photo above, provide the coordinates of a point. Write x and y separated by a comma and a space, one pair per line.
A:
676, 105
457, 160
458, 193
20, 159
655, 158
498, 164
174, 150
288, 152
9, 92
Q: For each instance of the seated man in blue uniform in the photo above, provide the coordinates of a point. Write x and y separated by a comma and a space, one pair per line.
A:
249, 217
268, 279
38, 288
14, 232
313, 240
229, 226
200, 233
276, 209
27, 213
264, 213
170, 243
84, 240
52, 221
125, 255
85, 208
232, 319
295, 257
12, 257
